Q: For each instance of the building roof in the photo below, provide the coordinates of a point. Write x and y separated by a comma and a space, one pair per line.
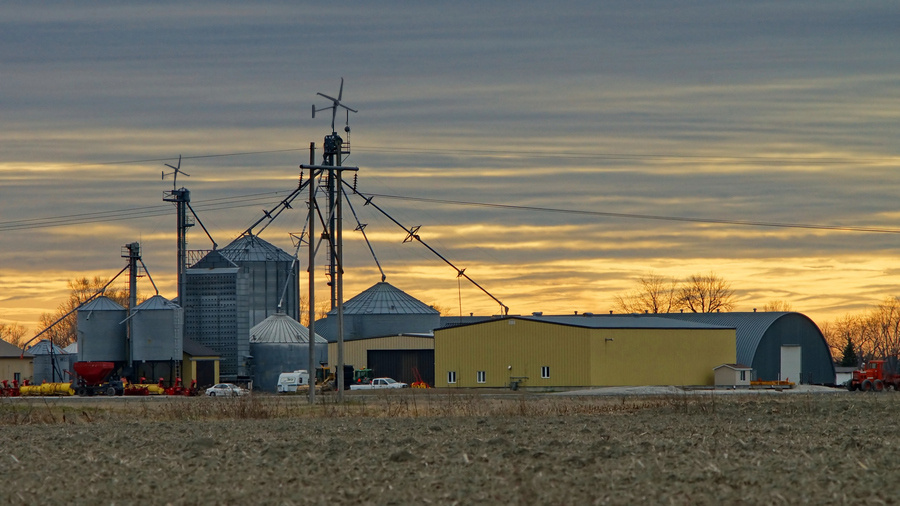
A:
43, 347
250, 248
622, 322
156, 303
8, 350
750, 327
384, 298
102, 303
736, 367
195, 349
281, 328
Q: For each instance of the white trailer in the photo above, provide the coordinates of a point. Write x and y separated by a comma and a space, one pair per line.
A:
292, 381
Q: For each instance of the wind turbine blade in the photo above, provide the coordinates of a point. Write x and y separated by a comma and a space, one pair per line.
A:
349, 109
341, 92
329, 98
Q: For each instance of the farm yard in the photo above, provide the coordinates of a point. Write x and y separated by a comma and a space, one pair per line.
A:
405, 447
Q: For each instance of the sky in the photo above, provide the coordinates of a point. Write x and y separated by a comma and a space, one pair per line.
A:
563, 125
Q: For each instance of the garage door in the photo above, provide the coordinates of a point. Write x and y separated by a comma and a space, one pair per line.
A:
399, 364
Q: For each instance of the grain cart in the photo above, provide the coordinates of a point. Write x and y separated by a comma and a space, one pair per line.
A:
873, 377
94, 379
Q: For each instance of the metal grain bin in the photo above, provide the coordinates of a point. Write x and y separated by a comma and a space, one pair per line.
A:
101, 331
157, 330
50, 363
281, 344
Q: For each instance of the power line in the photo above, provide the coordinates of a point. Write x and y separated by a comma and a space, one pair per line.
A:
248, 200
646, 216
534, 153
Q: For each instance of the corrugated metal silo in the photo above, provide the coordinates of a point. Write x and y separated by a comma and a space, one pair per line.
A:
157, 330
101, 331
281, 344
50, 363
382, 310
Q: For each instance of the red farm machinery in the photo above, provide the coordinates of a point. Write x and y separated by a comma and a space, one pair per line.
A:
873, 377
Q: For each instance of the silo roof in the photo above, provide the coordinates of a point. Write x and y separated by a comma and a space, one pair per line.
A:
281, 328
156, 303
102, 303
250, 248
43, 348
383, 298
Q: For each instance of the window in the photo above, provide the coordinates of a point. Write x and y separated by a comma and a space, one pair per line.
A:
480, 376
451, 377
743, 375
17, 377
545, 372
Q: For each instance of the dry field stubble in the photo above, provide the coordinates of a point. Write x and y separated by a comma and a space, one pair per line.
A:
409, 447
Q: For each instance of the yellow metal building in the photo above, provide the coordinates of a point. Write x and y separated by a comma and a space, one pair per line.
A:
397, 355
199, 363
578, 351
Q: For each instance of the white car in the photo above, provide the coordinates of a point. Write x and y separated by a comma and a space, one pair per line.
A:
225, 390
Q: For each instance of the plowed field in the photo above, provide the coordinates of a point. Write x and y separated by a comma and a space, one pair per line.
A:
408, 448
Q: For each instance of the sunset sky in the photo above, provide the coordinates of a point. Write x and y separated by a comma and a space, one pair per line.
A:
568, 115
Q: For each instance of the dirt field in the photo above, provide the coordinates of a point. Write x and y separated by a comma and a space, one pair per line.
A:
410, 448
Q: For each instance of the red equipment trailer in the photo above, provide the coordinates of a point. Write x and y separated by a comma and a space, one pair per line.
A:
94, 379
873, 377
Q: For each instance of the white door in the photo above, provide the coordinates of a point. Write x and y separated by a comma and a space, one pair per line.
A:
790, 363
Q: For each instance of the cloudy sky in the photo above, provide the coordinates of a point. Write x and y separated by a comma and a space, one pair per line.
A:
569, 115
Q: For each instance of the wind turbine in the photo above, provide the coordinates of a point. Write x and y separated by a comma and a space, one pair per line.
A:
335, 103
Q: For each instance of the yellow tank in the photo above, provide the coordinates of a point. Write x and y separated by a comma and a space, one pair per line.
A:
152, 388
47, 389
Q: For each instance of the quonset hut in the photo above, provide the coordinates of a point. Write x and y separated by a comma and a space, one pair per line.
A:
281, 344
777, 345
232, 289
381, 310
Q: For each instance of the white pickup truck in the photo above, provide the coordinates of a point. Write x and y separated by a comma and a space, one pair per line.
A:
378, 383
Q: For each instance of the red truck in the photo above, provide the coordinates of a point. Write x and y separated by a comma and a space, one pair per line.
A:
873, 378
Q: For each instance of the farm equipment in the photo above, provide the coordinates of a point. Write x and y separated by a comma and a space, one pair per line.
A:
47, 389
873, 377
419, 383
94, 379
179, 389
7, 390
362, 376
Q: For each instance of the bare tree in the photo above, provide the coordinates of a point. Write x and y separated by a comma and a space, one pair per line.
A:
655, 294
874, 333
778, 306
12, 333
81, 289
706, 293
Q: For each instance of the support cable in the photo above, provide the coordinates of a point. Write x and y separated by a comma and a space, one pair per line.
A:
413, 235
362, 228
63, 317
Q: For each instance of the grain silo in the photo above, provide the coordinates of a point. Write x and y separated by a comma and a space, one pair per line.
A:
281, 344
102, 331
157, 330
50, 363
381, 310
232, 289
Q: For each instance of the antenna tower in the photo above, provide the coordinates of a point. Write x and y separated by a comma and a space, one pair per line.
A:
182, 198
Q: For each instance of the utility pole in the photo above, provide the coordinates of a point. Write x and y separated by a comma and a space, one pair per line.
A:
311, 270
333, 151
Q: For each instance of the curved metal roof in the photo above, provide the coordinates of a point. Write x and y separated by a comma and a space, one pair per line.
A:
156, 303
750, 327
43, 348
384, 298
281, 328
250, 248
102, 303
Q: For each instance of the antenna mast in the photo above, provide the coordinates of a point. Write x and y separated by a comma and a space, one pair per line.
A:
333, 153
182, 198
